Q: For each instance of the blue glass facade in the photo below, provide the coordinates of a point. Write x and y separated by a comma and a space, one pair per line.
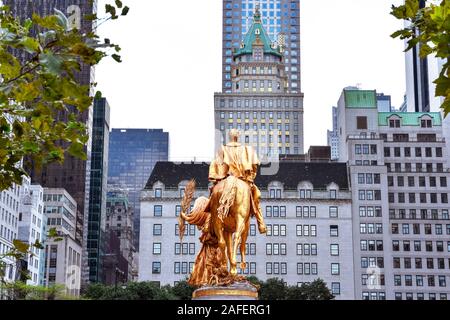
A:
98, 185
132, 156
281, 19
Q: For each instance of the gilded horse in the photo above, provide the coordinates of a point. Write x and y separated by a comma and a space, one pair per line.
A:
224, 219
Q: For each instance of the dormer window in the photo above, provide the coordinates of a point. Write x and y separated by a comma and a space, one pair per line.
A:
426, 123
305, 194
333, 194
158, 193
394, 123
275, 193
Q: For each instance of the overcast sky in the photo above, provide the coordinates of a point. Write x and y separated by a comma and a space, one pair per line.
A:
172, 65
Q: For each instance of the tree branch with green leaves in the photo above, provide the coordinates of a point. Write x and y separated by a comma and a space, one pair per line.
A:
428, 28
39, 60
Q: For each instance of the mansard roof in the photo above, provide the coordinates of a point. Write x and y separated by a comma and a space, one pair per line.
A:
257, 34
289, 173
409, 118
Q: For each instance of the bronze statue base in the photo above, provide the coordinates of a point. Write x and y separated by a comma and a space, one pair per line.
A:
235, 291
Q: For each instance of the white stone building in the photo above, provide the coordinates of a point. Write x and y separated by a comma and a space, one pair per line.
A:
307, 210
32, 228
62, 258
399, 176
9, 222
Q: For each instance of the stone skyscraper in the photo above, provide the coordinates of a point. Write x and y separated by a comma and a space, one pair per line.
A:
260, 104
399, 173
281, 19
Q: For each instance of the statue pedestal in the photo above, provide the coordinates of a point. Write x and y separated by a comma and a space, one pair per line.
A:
236, 291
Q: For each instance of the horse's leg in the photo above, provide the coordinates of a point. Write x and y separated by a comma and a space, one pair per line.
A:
218, 230
240, 226
229, 242
243, 242
217, 224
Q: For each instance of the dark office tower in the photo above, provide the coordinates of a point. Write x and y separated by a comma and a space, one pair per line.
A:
97, 192
73, 174
132, 156
281, 19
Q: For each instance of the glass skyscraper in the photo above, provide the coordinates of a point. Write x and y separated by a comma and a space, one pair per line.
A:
132, 156
97, 194
281, 19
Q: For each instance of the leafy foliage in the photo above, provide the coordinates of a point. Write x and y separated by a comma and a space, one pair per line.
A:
19, 290
316, 290
183, 290
40, 99
429, 28
273, 289
131, 291
276, 289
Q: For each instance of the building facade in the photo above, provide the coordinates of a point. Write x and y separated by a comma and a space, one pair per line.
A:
308, 218
259, 102
119, 220
384, 103
98, 186
9, 227
333, 136
32, 228
281, 19
399, 173
132, 154
63, 255
73, 175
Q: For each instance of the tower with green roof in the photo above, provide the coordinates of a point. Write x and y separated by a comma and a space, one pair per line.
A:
260, 104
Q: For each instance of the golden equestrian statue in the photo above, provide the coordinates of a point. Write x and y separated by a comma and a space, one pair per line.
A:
224, 218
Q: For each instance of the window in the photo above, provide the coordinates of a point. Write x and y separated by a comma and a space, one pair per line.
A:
394, 123
156, 267
157, 229
157, 248
334, 249
158, 193
299, 268
313, 230
334, 231
442, 281
336, 288
405, 228
305, 194
333, 211
361, 123
394, 228
252, 230
176, 268
332, 194
157, 210
335, 269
